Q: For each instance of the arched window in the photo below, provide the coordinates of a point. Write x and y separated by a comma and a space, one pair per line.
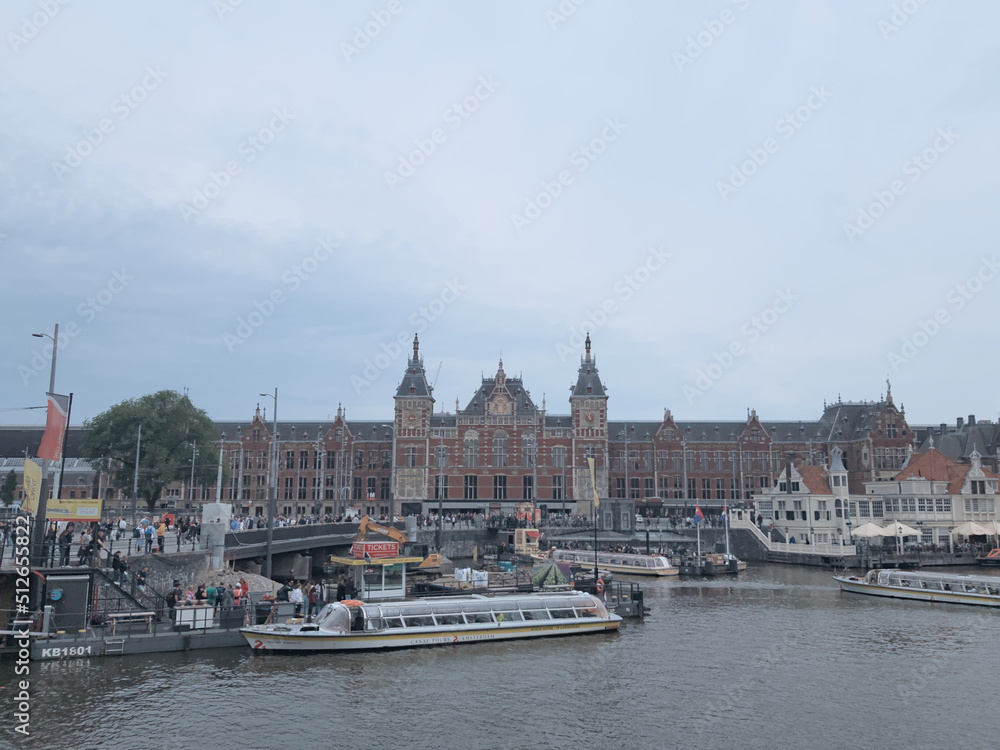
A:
500, 449
471, 449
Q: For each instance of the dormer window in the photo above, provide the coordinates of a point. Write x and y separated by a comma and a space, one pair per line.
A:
413, 389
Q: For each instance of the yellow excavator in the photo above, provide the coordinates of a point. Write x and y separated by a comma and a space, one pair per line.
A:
367, 525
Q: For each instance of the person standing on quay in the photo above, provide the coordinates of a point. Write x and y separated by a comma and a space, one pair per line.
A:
161, 533
296, 597
313, 597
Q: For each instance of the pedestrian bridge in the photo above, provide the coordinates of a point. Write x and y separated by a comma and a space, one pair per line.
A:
252, 543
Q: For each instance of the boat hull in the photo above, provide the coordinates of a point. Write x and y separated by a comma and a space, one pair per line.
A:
622, 569
899, 592
267, 638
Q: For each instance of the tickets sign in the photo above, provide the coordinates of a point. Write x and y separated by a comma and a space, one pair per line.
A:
375, 549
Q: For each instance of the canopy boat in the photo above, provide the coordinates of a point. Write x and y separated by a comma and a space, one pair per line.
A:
983, 591
353, 625
990, 559
616, 562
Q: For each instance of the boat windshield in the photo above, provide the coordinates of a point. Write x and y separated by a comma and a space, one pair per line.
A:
474, 611
983, 585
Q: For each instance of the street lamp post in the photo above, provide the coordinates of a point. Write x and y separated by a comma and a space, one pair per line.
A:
194, 455
218, 476
41, 511
318, 492
272, 488
440, 483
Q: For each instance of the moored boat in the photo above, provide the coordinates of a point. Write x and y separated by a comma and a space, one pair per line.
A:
990, 559
616, 562
710, 564
983, 591
353, 625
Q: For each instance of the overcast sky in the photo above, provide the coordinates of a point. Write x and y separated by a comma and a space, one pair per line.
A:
746, 205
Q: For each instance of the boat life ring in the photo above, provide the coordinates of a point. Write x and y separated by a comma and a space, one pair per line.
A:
600, 585
352, 602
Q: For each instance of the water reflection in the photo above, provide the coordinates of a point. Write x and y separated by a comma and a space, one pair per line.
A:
775, 658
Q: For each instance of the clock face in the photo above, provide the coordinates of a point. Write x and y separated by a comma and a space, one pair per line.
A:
588, 417
409, 418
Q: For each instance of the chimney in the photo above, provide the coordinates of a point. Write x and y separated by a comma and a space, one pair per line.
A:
972, 420
958, 423
944, 429
788, 474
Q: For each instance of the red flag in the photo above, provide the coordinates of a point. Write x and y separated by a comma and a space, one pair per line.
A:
55, 427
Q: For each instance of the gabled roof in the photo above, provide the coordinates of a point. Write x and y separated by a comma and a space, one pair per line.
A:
816, 479
935, 466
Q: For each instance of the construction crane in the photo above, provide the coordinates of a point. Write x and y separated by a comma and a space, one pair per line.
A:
436, 376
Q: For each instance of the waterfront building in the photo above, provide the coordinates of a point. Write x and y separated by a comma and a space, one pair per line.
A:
932, 494
506, 446
808, 503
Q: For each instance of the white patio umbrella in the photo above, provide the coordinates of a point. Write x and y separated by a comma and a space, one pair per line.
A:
901, 529
971, 528
868, 530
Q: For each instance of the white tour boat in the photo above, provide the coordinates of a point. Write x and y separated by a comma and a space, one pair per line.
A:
353, 625
983, 591
616, 562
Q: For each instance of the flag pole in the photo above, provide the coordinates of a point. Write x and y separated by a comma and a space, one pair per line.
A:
62, 449
697, 526
725, 520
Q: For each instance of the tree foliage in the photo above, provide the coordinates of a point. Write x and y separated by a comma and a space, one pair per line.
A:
7, 488
170, 426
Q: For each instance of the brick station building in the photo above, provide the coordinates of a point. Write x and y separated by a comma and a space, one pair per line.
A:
503, 447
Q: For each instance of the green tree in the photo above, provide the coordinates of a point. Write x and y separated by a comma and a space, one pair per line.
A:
7, 489
170, 426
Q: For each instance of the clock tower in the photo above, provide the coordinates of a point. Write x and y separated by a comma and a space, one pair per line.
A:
589, 407
411, 436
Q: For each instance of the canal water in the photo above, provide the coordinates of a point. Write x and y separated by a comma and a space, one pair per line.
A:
778, 658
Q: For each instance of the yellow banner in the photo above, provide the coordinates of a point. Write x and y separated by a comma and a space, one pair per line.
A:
32, 486
593, 482
64, 509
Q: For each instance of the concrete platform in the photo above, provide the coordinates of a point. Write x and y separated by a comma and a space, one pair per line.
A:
92, 643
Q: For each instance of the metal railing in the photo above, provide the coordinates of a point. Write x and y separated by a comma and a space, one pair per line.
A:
826, 550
